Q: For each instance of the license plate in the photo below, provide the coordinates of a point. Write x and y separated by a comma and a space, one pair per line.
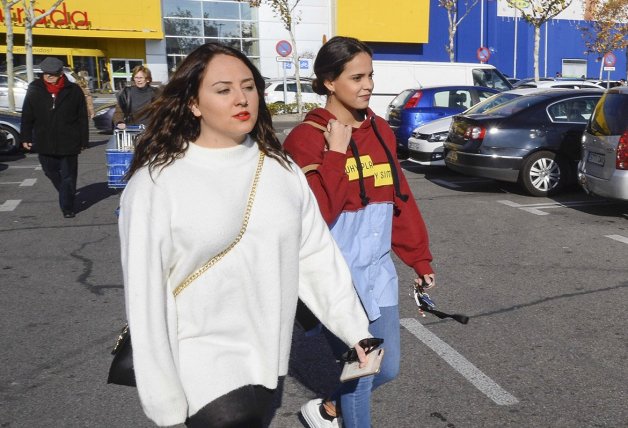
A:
596, 158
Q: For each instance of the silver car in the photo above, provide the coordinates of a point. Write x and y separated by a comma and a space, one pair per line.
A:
603, 168
19, 91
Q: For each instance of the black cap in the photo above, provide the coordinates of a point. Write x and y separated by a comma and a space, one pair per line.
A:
51, 65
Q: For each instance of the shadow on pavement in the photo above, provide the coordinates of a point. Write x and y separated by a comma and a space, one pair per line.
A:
92, 194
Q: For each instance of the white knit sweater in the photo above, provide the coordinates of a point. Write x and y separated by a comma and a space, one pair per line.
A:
233, 325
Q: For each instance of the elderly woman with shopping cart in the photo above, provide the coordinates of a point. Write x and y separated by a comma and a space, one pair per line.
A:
133, 100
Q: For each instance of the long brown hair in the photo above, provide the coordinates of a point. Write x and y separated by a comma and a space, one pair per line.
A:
171, 124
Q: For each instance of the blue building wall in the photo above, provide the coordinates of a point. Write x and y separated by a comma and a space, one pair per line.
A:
564, 41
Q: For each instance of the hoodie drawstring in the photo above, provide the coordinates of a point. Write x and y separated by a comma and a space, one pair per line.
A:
356, 155
391, 162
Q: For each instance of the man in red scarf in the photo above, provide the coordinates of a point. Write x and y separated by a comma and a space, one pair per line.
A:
55, 125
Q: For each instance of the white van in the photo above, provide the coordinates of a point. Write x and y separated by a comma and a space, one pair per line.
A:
392, 77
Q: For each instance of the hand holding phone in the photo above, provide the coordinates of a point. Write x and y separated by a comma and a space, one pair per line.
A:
369, 344
353, 370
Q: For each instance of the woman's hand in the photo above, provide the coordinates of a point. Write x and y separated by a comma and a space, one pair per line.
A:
337, 136
427, 282
361, 354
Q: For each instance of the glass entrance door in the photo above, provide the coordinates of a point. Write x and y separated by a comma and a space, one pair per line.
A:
121, 71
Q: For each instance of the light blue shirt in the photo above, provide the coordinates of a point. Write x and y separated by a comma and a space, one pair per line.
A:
364, 238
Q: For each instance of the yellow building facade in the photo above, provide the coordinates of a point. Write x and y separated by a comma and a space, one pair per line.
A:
89, 36
400, 21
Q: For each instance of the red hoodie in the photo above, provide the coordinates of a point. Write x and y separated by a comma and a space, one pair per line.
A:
334, 179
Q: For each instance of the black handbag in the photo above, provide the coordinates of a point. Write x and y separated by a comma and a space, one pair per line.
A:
121, 370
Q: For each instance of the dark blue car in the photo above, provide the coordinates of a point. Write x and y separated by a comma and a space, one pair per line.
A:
415, 107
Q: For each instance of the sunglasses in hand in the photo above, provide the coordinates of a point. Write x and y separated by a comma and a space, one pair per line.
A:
368, 344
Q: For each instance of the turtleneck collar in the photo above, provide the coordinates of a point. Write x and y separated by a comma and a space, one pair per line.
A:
229, 156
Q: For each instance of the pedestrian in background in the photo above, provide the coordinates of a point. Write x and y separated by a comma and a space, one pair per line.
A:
350, 160
133, 100
89, 99
211, 355
55, 124
105, 84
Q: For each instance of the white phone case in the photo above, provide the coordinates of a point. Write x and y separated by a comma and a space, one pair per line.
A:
353, 371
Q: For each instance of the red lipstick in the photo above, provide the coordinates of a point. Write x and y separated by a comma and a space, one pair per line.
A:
243, 116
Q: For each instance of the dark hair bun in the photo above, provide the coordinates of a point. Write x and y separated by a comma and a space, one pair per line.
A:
319, 87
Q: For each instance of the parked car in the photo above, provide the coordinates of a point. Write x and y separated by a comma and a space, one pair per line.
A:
9, 132
527, 80
103, 117
19, 91
603, 168
274, 93
414, 107
425, 145
534, 140
391, 77
20, 85
606, 83
559, 83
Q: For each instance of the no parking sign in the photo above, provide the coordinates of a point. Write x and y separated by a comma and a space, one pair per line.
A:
283, 48
483, 54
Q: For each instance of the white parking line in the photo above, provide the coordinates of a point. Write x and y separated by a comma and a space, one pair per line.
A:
536, 208
28, 182
618, 238
36, 167
24, 183
10, 204
474, 375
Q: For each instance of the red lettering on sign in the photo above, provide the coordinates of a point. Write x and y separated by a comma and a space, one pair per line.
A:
60, 17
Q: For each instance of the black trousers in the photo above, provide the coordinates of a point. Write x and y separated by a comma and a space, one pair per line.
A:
62, 172
245, 407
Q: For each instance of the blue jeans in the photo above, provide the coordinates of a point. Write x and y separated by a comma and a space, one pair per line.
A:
355, 396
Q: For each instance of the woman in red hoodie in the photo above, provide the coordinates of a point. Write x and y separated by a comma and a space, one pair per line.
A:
349, 156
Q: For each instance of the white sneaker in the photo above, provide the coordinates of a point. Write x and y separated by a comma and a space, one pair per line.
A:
312, 414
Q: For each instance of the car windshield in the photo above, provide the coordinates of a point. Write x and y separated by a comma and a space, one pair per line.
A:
490, 78
491, 102
515, 105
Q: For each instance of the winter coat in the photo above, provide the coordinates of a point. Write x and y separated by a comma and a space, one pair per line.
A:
58, 125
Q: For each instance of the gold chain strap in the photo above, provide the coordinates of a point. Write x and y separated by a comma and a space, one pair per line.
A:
245, 223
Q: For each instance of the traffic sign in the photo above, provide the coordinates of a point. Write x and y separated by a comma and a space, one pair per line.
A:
283, 59
483, 54
283, 48
609, 59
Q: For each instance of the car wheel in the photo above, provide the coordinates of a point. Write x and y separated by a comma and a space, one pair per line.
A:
543, 173
9, 140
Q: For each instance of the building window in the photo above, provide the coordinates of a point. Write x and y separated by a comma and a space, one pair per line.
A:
189, 23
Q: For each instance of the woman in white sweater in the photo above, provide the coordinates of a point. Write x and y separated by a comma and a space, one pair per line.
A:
212, 354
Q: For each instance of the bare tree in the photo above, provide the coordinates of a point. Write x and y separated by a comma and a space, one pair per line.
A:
285, 11
608, 27
8, 23
29, 22
451, 6
537, 13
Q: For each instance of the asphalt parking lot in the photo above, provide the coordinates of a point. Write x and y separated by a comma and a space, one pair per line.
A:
544, 281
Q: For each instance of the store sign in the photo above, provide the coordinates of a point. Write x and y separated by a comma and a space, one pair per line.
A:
139, 19
60, 17
575, 10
